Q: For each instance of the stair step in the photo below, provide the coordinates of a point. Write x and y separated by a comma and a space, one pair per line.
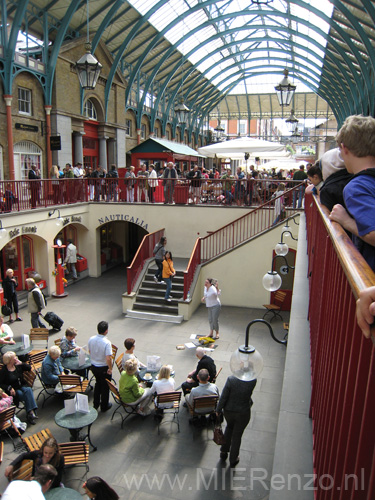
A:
155, 300
167, 318
168, 307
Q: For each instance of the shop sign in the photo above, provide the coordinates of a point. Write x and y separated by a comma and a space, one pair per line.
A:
55, 142
125, 218
74, 218
24, 230
26, 127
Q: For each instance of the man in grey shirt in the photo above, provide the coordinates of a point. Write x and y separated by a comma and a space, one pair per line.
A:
205, 388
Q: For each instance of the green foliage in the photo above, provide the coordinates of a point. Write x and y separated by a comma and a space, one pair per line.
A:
290, 149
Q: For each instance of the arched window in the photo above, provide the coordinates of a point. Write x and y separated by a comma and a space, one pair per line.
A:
90, 111
26, 154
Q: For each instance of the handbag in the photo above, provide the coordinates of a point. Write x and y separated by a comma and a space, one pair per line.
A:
219, 435
6, 310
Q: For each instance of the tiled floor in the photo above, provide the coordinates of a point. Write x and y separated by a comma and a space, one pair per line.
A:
137, 462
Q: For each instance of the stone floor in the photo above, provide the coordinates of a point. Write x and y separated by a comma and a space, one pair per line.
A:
135, 460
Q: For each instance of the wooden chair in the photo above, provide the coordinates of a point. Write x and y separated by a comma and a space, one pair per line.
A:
172, 399
6, 422
1, 451
29, 378
114, 352
35, 441
78, 385
75, 454
203, 405
279, 298
47, 390
57, 342
119, 363
217, 374
36, 359
22, 471
129, 408
39, 339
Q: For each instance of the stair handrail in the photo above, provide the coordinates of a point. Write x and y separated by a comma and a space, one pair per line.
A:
144, 252
231, 235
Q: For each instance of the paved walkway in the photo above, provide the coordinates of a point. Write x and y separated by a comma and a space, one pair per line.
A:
135, 460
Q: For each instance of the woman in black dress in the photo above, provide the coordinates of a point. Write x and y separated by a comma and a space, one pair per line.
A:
10, 294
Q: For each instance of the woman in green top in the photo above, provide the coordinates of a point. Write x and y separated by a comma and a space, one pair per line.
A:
131, 391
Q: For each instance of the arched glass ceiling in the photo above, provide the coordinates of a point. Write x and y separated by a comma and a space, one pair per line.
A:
253, 46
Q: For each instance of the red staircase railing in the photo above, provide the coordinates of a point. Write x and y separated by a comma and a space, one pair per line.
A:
144, 252
231, 235
342, 364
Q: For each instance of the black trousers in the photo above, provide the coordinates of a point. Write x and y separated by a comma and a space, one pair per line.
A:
101, 390
188, 386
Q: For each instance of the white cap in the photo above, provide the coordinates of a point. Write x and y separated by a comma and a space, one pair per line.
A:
331, 162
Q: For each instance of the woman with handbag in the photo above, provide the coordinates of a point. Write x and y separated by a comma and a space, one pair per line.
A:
10, 295
236, 402
168, 273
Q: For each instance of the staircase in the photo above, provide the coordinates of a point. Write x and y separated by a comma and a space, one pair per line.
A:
150, 303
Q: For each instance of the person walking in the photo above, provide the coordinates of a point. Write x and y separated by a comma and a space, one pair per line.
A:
159, 253
35, 303
236, 403
100, 349
168, 273
10, 295
71, 259
211, 297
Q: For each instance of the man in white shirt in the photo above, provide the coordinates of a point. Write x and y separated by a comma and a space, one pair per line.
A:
100, 349
71, 258
32, 490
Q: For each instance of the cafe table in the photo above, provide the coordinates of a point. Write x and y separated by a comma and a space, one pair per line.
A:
62, 494
154, 375
72, 363
75, 422
18, 348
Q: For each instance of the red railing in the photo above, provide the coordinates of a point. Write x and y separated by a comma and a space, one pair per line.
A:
233, 234
342, 364
144, 252
16, 196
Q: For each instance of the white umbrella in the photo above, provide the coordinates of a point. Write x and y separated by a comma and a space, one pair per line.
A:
233, 148
283, 164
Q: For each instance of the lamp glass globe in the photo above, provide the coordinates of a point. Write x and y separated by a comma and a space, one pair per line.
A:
281, 249
272, 281
246, 365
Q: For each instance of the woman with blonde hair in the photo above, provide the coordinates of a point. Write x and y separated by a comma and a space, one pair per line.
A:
54, 175
163, 384
12, 380
131, 391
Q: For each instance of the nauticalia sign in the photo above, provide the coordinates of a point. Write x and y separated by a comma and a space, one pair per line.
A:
125, 218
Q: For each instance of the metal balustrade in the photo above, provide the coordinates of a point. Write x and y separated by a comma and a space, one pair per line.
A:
342, 363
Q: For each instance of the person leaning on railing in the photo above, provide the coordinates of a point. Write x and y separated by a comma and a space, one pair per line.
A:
366, 310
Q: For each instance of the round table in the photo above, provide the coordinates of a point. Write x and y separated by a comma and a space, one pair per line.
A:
62, 494
75, 422
18, 348
154, 375
71, 363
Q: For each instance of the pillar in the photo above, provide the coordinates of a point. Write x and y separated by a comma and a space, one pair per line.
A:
8, 104
47, 109
78, 147
103, 162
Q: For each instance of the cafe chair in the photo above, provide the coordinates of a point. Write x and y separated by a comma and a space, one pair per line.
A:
39, 339
202, 406
7, 426
167, 402
74, 384
57, 342
275, 308
129, 408
1, 451
36, 359
35, 441
75, 454
119, 363
47, 390
29, 378
22, 471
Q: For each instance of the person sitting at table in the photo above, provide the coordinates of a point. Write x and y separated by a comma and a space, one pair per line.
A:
5, 400
131, 391
49, 453
205, 388
6, 334
32, 490
164, 383
96, 487
204, 362
68, 344
12, 381
51, 366
129, 354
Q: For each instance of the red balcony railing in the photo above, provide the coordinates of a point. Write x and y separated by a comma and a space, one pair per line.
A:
231, 235
342, 364
144, 252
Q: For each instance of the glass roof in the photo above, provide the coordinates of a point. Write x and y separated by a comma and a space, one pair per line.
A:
245, 46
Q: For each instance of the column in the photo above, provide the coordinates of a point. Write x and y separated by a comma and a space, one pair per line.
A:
139, 135
78, 147
8, 104
112, 156
103, 152
47, 109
